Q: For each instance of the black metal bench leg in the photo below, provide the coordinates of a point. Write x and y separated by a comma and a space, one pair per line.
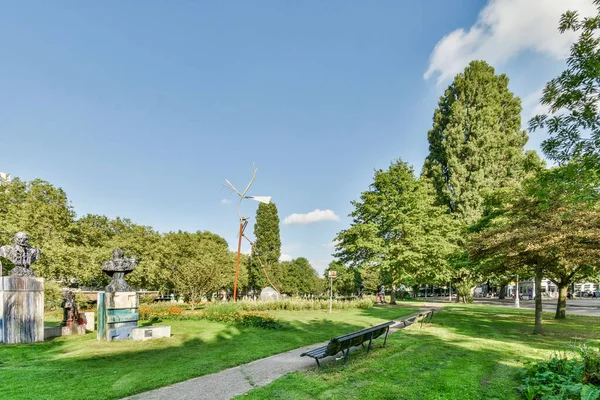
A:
318, 365
347, 353
387, 331
370, 340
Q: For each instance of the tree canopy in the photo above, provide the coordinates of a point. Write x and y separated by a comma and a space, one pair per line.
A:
397, 227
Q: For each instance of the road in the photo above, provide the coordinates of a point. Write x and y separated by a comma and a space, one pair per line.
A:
589, 307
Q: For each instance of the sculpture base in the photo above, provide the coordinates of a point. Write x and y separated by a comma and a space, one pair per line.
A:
21, 309
150, 332
88, 317
56, 331
117, 315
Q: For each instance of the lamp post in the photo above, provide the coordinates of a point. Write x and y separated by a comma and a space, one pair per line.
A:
243, 224
517, 305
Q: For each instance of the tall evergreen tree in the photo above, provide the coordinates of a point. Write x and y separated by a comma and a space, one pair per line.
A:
267, 247
476, 143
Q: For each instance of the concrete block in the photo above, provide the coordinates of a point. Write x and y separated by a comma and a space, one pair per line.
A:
88, 317
121, 300
150, 332
56, 331
52, 332
22, 309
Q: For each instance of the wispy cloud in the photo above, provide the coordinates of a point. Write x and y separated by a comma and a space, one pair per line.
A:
286, 257
313, 216
225, 201
319, 265
331, 244
503, 30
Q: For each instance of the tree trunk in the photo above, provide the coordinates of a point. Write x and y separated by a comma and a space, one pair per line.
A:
537, 330
561, 306
502, 293
393, 295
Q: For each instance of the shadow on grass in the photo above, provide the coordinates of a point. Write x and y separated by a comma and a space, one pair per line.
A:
82, 367
513, 325
415, 364
468, 352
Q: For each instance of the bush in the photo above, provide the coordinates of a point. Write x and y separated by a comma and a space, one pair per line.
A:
591, 364
53, 296
564, 378
232, 313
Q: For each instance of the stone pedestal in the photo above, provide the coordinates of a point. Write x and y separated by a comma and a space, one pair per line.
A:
21, 309
150, 332
117, 315
56, 331
88, 317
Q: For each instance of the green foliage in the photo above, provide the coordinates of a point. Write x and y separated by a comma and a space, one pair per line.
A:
267, 246
347, 280
563, 377
53, 296
296, 277
231, 314
572, 98
200, 263
476, 142
398, 230
544, 228
296, 304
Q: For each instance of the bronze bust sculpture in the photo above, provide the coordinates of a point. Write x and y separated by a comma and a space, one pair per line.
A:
117, 268
21, 254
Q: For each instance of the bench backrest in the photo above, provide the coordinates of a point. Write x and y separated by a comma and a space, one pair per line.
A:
354, 339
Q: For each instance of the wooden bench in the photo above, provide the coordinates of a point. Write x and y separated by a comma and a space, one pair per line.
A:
345, 342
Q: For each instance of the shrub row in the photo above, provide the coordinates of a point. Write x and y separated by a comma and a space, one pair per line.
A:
304, 304
244, 318
229, 313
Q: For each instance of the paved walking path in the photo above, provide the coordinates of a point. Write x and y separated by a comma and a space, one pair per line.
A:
241, 379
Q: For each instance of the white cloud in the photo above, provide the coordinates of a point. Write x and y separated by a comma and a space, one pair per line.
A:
286, 257
225, 201
331, 244
505, 28
309, 218
532, 106
320, 265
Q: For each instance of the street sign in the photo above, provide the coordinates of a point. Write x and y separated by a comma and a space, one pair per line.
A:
332, 274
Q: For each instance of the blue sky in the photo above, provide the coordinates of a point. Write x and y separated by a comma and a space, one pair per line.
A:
143, 109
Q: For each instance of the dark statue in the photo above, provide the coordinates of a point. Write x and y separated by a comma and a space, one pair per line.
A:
21, 254
71, 311
117, 268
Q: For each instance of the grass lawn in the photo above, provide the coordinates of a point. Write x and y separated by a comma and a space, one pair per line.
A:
468, 352
80, 367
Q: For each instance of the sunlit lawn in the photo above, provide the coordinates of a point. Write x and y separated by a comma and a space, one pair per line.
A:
468, 352
80, 367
